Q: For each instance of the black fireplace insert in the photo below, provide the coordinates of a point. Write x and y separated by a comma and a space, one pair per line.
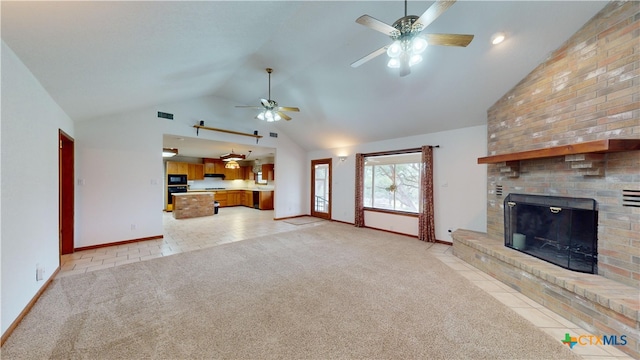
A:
560, 230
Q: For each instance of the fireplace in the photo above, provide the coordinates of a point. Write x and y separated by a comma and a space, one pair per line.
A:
560, 230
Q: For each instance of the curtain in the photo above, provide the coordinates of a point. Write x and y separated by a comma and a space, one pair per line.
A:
426, 225
359, 209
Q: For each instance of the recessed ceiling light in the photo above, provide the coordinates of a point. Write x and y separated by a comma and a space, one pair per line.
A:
497, 38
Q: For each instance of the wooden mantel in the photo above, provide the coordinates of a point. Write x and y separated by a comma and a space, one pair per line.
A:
595, 147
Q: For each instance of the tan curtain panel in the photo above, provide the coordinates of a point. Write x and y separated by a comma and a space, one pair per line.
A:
426, 225
359, 215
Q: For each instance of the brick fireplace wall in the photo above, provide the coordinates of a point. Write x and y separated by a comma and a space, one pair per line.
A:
588, 89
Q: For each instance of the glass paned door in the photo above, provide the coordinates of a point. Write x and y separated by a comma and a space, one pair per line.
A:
321, 188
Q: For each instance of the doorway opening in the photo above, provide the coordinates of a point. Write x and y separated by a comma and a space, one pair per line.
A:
321, 188
65, 192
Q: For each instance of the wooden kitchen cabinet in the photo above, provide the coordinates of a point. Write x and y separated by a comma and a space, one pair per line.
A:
266, 200
233, 174
234, 197
221, 197
268, 172
195, 171
248, 198
178, 168
245, 170
213, 166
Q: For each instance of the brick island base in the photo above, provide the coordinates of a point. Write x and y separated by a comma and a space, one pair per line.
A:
599, 305
193, 204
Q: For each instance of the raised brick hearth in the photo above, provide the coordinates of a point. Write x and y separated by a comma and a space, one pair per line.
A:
586, 90
597, 304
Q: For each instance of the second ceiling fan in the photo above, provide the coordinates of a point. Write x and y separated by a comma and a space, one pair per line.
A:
270, 111
408, 43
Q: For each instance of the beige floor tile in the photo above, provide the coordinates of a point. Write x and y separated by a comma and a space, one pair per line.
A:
510, 299
490, 286
528, 300
62, 274
474, 275
538, 318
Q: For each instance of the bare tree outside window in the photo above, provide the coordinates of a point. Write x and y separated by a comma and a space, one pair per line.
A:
394, 186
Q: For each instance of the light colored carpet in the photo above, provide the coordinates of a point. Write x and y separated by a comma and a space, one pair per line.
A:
303, 220
331, 291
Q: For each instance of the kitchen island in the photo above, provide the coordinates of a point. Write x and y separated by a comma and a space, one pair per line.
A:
193, 204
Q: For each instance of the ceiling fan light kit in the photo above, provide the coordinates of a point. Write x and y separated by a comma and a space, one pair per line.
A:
408, 45
270, 111
497, 38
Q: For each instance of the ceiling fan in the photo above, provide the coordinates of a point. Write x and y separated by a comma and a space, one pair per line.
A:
408, 44
270, 111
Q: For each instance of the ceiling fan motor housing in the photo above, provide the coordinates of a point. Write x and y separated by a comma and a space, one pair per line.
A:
405, 27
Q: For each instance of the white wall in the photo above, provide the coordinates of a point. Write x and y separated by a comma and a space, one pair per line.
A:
459, 182
120, 167
29, 197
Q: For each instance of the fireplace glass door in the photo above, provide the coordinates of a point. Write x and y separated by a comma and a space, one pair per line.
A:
560, 230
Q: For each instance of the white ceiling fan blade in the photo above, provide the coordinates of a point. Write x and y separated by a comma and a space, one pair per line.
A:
370, 56
283, 115
288, 108
448, 39
377, 25
432, 13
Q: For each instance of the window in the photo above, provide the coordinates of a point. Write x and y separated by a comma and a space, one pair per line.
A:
392, 182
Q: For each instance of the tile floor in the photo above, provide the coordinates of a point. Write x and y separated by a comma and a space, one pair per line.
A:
239, 223
229, 225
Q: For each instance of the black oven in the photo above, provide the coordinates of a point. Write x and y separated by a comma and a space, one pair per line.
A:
174, 190
175, 179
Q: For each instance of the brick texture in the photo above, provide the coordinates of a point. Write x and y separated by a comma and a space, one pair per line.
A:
596, 304
193, 205
588, 89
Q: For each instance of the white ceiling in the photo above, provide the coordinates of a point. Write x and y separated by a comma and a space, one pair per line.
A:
98, 58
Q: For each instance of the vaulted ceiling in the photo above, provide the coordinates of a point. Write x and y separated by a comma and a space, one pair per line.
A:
99, 58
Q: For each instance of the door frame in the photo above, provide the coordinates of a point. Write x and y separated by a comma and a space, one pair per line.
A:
314, 213
66, 192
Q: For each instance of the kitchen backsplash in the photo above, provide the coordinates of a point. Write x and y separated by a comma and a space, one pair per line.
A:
208, 183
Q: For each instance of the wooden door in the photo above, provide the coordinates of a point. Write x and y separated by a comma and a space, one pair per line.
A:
321, 188
66, 192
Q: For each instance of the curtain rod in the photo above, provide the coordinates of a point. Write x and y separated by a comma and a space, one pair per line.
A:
396, 152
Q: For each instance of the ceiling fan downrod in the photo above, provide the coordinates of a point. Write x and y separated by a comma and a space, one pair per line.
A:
269, 70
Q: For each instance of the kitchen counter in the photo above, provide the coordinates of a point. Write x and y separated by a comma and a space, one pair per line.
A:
216, 190
190, 205
259, 198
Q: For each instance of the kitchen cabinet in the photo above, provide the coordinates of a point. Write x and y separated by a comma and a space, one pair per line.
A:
174, 167
221, 198
248, 198
195, 171
234, 197
234, 174
248, 174
268, 172
213, 166
266, 200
